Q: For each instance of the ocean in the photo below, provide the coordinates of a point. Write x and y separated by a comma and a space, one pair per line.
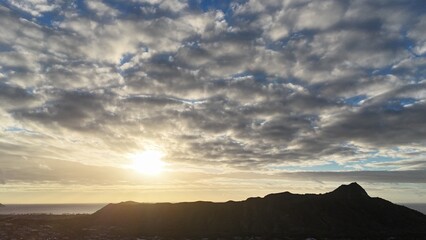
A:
83, 208
421, 207
88, 208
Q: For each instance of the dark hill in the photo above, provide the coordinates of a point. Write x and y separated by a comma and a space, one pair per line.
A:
347, 211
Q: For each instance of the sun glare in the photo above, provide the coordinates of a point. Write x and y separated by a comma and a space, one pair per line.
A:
148, 162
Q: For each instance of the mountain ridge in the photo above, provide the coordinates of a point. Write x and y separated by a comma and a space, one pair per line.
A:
346, 211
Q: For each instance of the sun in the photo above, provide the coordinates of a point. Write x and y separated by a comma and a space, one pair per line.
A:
148, 162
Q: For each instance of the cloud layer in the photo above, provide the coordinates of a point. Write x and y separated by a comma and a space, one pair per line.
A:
264, 86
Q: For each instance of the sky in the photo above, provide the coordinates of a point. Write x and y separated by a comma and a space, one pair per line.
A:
228, 99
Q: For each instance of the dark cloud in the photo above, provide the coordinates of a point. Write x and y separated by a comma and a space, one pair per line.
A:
414, 176
15, 94
78, 110
386, 123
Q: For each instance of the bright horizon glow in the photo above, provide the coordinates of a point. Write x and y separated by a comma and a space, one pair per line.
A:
148, 162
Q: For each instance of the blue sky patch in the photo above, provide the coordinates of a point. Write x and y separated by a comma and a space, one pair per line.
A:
355, 100
398, 104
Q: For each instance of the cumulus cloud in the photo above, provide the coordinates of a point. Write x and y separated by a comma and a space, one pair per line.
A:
35, 7
259, 86
101, 9
415, 34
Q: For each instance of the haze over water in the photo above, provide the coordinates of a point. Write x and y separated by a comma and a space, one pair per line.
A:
81, 208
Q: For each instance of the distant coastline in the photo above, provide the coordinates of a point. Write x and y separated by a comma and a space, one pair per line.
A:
89, 208
56, 209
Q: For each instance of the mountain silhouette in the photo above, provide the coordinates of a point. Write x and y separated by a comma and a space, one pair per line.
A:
348, 211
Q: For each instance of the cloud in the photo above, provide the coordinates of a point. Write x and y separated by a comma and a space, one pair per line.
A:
415, 34
363, 176
14, 95
261, 85
101, 9
2, 181
35, 7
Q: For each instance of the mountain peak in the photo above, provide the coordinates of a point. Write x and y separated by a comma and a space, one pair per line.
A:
352, 190
348, 211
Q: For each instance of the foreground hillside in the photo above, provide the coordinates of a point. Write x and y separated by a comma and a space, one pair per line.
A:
347, 211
